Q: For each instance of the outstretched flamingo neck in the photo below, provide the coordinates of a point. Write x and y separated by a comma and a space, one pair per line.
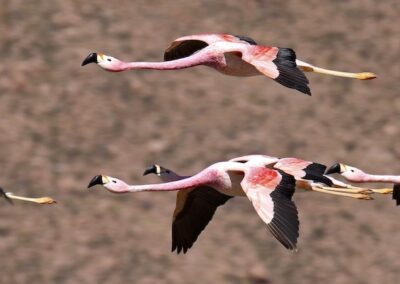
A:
381, 178
203, 57
206, 177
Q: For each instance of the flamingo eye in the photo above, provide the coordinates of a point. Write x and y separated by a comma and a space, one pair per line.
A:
114, 181
352, 171
109, 59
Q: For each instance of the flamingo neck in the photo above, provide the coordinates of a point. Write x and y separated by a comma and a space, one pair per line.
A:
201, 58
382, 178
202, 178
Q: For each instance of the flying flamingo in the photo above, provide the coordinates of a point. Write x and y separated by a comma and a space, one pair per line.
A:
309, 175
270, 192
356, 175
9, 196
231, 55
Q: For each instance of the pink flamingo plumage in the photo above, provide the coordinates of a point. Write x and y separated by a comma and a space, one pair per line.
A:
356, 175
270, 192
230, 55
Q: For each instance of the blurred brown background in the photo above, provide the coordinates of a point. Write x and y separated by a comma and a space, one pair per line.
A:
62, 124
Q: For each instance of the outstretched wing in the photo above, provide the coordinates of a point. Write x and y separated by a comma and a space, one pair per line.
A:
279, 64
271, 192
194, 210
304, 169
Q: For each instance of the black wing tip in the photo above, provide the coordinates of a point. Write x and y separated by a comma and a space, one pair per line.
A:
285, 223
289, 75
287, 185
396, 194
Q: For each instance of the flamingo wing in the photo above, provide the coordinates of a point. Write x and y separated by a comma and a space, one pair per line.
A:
279, 64
271, 192
194, 210
396, 194
304, 169
188, 45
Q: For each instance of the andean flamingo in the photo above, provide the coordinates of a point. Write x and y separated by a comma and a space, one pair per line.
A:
230, 55
270, 192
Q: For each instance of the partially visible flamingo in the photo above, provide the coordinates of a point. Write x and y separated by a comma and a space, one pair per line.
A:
230, 55
270, 192
356, 175
309, 175
9, 196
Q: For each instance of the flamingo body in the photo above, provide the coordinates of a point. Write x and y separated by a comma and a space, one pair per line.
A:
231, 55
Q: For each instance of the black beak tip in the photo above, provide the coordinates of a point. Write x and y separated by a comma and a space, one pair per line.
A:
3, 194
91, 58
95, 180
150, 170
334, 169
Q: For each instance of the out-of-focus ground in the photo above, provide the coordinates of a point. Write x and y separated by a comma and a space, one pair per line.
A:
62, 124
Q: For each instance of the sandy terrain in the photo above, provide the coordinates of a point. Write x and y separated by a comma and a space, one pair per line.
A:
62, 124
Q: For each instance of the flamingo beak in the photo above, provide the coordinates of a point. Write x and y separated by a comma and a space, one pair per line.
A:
91, 58
336, 169
154, 169
3, 194
99, 179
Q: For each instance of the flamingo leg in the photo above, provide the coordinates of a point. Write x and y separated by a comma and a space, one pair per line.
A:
311, 68
362, 196
40, 200
348, 190
355, 189
382, 190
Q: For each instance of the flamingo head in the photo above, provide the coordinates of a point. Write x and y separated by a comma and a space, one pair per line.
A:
156, 169
349, 172
110, 183
106, 62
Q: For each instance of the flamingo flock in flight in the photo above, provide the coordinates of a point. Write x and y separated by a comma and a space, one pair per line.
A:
230, 55
268, 182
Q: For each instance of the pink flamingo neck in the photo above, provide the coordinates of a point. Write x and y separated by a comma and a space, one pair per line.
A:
382, 178
210, 56
201, 58
212, 176
204, 177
